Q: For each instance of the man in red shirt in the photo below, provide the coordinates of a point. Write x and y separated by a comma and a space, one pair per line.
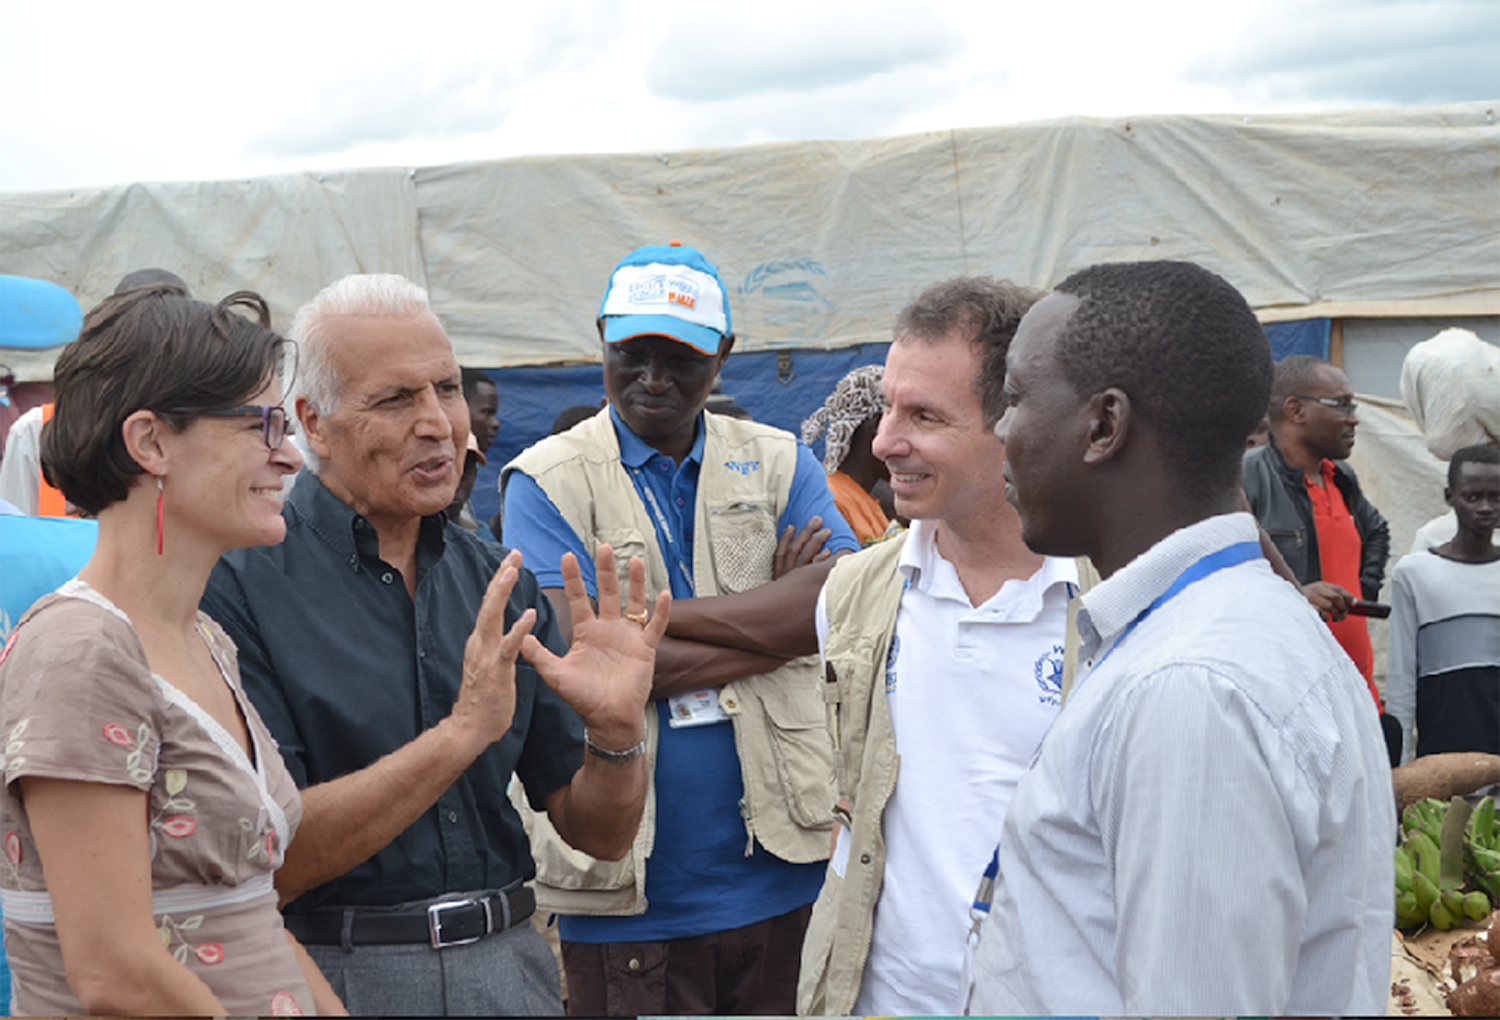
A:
1309, 502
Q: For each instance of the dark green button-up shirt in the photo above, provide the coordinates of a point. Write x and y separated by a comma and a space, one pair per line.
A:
345, 669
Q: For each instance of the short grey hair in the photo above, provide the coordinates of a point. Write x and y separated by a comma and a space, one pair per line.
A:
364, 295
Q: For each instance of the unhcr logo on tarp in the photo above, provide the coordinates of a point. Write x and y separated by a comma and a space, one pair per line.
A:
781, 301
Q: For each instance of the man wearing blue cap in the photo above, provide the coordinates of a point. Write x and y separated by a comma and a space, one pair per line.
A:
707, 913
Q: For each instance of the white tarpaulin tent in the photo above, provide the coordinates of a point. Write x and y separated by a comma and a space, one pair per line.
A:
1383, 213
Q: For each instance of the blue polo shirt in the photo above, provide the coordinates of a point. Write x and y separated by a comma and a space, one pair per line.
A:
698, 878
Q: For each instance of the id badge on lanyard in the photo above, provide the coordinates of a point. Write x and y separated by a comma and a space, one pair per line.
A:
695, 708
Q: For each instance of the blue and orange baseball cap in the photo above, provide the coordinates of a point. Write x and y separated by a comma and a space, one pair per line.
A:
667, 290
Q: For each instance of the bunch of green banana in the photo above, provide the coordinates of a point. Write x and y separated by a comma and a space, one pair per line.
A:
1425, 816
1448, 864
1482, 848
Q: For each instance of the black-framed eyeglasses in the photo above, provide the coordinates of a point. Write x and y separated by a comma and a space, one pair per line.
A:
274, 423
1345, 407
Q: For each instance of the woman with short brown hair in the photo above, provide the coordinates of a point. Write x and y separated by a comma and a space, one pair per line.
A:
145, 806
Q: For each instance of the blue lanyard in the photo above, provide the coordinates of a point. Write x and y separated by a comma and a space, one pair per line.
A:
664, 530
985, 895
1229, 556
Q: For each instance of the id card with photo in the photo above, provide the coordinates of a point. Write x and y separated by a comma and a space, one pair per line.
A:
696, 708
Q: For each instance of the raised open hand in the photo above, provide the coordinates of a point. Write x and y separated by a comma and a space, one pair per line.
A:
606, 675
487, 697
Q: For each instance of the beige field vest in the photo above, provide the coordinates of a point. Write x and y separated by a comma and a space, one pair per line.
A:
861, 598
785, 757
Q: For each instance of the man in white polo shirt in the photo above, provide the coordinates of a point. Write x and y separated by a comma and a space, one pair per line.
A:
944, 649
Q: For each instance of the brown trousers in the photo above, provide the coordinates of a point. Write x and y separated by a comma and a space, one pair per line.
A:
744, 971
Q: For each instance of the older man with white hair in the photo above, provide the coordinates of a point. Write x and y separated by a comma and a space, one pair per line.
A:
371, 642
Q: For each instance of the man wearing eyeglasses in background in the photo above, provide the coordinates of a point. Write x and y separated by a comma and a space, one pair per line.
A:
1308, 500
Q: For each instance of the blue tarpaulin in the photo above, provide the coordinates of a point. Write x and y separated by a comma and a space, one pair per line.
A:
1302, 336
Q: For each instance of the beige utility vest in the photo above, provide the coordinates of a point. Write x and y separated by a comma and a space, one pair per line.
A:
785, 759
861, 599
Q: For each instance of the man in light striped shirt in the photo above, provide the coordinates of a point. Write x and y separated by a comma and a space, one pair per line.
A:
1208, 826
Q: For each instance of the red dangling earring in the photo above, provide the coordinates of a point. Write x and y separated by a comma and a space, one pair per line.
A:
158, 515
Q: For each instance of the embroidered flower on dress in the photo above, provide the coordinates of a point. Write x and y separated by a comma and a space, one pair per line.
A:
14, 743
134, 761
179, 826
285, 1004
14, 746
169, 928
175, 781
13, 847
209, 952
117, 733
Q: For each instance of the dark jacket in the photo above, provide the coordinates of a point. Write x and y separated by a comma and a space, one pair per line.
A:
1278, 497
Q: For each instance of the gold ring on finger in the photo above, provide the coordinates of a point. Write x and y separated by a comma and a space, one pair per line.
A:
640, 618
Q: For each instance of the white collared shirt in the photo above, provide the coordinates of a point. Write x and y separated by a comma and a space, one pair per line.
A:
971, 690
1208, 827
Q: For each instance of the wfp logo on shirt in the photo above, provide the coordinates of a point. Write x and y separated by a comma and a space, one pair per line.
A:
1048, 672
744, 467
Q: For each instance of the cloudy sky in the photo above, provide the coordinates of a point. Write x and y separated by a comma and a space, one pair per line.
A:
100, 93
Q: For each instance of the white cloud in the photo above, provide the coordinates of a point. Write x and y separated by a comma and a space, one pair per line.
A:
414, 101
571, 36
1395, 52
870, 106
727, 52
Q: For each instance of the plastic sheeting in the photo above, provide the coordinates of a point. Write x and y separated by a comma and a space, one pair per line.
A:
820, 243
285, 237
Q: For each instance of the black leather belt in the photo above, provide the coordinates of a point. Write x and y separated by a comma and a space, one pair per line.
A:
449, 921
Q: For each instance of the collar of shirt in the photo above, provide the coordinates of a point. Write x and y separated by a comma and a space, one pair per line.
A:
635, 452
349, 533
1109, 608
1019, 600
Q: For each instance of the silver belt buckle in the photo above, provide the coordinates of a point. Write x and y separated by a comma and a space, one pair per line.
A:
435, 922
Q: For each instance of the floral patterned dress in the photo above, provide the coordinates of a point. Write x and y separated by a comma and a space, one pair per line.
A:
79, 702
